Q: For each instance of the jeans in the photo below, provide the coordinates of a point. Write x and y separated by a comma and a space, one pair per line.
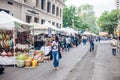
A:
114, 51
91, 47
55, 56
67, 47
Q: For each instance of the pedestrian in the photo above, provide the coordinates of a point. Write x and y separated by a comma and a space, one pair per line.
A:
67, 43
72, 40
114, 44
55, 52
76, 40
84, 40
91, 40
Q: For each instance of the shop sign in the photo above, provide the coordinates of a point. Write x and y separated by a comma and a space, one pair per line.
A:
32, 11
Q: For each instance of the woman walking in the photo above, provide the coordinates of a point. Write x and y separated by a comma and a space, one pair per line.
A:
55, 53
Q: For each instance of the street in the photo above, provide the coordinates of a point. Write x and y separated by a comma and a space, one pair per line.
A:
78, 64
59, 40
45, 71
97, 65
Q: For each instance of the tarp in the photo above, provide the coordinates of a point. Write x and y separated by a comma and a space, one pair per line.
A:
9, 22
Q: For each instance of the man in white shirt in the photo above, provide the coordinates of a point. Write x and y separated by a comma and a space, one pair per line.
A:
114, 44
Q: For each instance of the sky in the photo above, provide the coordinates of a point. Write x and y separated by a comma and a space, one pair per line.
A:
99, 5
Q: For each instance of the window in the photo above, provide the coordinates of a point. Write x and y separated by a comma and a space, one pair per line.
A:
7, 11
28, 18
53, 23
49, 21
57, 25
60, 25
60, 13
42, 4
48, 6
53, 9
42, 21
25, 1
57, 11
10, 3
36, 20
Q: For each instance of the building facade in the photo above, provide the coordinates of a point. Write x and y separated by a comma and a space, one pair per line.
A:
37, 11
117, 4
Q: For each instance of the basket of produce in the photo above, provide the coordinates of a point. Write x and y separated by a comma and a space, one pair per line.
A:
20, 59
20, 63
28, 63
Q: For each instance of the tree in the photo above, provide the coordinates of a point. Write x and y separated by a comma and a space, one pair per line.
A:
108, 21
68, 16
82, 18
87, 15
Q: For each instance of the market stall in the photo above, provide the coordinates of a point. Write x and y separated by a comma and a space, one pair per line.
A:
103, 33
15, 38
41, 41
39, 33
51, 29
87, 33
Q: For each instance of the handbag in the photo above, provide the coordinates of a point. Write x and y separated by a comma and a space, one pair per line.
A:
60, 56
60, 52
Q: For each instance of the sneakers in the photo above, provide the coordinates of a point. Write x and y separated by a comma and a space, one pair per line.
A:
56, 68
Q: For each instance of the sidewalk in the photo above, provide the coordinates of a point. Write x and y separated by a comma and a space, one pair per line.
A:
45, 70
107, 66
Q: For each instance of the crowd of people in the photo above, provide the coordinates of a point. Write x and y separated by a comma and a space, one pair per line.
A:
58, 44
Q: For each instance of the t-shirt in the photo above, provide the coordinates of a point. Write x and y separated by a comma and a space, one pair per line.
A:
67, 40
54, 46
114, 43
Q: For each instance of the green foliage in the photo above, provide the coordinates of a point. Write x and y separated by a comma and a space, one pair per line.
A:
68, 16
87, 15
108, 21
81, 18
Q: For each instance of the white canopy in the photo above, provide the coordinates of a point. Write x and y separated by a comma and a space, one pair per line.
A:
9, 22
70, 30
87, 33
63, 29
38, 26
49, 25
39, 29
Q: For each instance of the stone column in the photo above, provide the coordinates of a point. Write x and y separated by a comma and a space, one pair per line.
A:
39, 4
45, 6
51, 8
23, 15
